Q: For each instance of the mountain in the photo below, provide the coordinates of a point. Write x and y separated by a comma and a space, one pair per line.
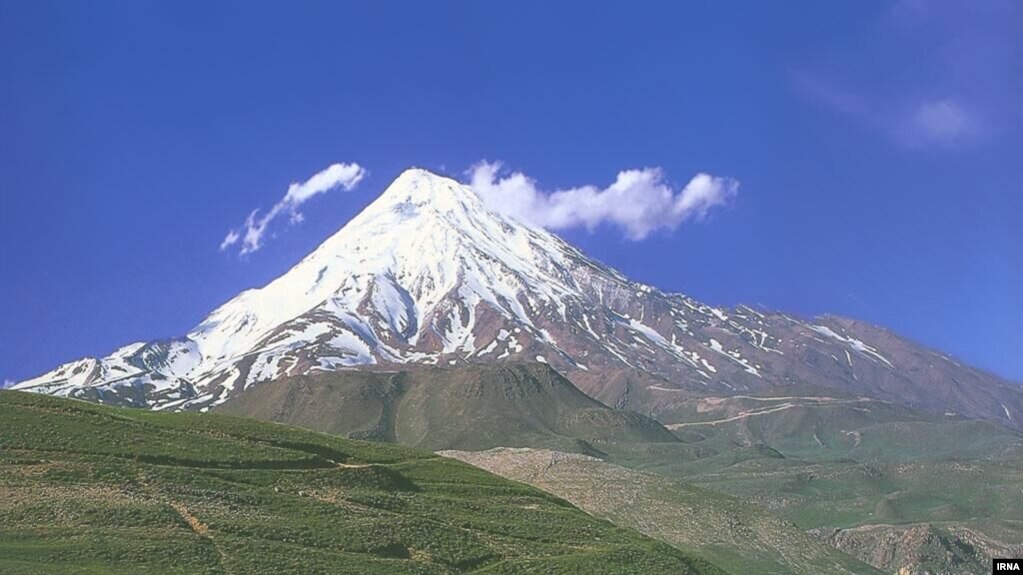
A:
428, 275
95, 489
466, 407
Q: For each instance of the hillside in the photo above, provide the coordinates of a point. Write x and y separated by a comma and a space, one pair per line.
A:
939, 548
858, 473
893, 487
823, 427
470, 407
733, 534
93, 489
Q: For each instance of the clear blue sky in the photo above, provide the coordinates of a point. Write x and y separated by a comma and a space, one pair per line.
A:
879, 146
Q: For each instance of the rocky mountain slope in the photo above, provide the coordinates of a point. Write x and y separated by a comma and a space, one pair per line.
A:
926, 548
427, 275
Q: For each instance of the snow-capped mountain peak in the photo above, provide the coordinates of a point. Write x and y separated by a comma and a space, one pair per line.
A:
426, 274
422, 238
402, 281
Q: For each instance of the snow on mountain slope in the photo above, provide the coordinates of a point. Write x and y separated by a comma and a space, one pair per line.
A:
427, 275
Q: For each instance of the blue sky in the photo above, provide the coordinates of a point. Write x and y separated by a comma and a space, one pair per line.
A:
878, 148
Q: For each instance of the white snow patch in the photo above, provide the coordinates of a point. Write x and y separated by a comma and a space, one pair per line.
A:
854, 343
716, 346
490, 347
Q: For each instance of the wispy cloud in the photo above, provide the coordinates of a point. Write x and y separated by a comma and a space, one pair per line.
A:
939, 74
251, 234
943, 122
7, 383
639, 202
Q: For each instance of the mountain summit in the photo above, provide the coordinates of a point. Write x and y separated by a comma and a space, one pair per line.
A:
426, 274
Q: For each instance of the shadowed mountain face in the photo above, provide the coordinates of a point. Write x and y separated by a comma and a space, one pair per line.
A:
470, 407
426, 275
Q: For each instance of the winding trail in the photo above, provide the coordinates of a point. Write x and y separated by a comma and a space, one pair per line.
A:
202, 530
812, 402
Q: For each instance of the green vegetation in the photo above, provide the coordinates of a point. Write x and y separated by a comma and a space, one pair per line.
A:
91, 489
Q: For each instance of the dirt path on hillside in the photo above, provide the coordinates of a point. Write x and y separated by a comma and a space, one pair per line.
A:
202, 530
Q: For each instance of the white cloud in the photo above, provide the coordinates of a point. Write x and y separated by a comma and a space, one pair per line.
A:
229, 240
7, 383
346, 176
251, 234
639, 202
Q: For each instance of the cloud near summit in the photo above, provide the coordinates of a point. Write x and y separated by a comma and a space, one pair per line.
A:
639, 202
251, 234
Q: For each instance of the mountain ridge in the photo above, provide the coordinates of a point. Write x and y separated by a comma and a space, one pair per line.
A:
426, 274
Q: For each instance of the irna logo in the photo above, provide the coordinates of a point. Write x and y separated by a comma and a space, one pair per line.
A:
1006, 566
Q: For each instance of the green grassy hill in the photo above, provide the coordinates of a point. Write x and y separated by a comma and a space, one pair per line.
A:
92, 489
470, 407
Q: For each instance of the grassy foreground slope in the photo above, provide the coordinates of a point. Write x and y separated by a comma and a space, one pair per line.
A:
91, 489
